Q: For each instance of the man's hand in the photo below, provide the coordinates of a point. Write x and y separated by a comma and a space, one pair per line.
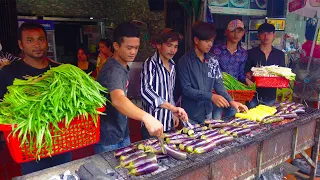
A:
180, 113
249, 82
154, 126
176, 121
220, 101
238, 106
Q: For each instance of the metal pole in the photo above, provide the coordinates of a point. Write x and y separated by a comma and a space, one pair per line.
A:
315, 150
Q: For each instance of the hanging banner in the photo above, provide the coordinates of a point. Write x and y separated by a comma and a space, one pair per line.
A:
239, 7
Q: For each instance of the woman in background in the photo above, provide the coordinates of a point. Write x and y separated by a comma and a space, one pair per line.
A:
83, 62
105, 48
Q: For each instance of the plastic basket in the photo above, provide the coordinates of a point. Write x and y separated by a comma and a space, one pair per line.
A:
241, 95
80, 133
271, 82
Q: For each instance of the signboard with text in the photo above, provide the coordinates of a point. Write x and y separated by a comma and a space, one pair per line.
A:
239, 7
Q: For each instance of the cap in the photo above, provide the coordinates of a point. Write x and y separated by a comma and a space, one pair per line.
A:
234, 24
266, 27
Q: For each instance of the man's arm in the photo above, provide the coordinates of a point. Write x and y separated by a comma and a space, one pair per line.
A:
127, 108
184, 75
112, 79
11, 57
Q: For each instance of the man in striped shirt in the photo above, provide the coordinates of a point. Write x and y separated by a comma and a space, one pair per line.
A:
158, 81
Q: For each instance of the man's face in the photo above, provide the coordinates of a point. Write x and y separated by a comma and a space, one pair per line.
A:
203, 45
236, 35
168, 50
128, 49
34, 43
266, 37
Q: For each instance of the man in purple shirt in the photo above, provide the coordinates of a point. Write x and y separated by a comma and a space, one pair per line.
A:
232, 59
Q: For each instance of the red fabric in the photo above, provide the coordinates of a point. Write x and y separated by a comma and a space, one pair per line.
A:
307, 48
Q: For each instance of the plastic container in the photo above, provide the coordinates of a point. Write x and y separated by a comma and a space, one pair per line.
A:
271, 82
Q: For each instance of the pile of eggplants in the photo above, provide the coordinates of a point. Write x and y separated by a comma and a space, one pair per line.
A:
143, 158
137, 161
285, 110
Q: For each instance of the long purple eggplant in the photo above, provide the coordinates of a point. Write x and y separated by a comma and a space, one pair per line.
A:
178, 136
167, 135
176, 141
273, 119
143, 160
299, 111
125, 156
186, 143
144, 169
213, 138
211, 145
241, 132
289, 115
161, 156
210, 121
190, 147
124, 150
205, 136
125, 162
175, 153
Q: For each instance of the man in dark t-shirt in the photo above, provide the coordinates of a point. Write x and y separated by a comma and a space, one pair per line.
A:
114, 75
33, 42
264, 55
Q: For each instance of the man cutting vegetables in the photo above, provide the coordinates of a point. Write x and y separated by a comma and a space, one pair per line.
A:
199, 74
158, 81
32, 40
232, 59
264, 55
114, 75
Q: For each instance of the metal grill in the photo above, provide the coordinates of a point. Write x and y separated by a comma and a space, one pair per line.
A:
171, 168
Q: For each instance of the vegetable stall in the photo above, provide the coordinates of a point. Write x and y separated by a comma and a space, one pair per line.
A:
242, 147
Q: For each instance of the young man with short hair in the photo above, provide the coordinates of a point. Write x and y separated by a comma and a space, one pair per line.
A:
232, 59
199, 74
114, 75
264, 55
32, 40
158, 81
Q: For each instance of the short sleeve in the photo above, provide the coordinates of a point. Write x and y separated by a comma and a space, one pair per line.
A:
112, 78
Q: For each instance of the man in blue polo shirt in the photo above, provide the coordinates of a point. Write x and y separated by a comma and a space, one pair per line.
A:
199, 74
264, 55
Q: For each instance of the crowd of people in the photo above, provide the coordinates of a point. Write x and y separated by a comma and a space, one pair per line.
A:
199, 71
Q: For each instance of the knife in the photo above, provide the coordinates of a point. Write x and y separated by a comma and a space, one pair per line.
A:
164, 151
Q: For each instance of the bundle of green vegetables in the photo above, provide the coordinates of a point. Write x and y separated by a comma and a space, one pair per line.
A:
58, 95
230, 83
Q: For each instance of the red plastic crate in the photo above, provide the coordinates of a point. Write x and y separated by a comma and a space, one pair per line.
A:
241, 95
271, 82
80, 133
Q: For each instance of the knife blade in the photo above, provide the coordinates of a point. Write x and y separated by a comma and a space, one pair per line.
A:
164, 151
